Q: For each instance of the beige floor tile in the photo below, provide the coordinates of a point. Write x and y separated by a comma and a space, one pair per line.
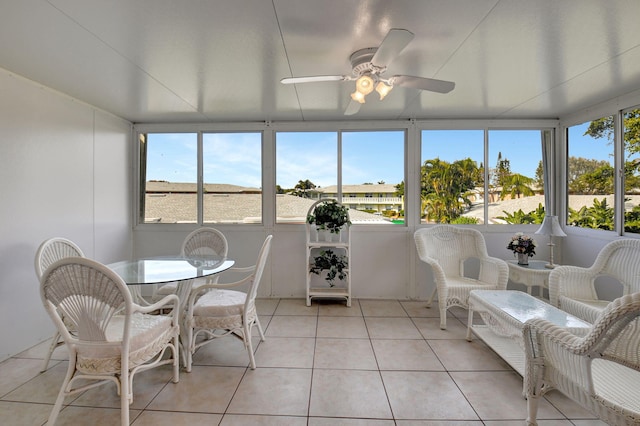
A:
266, 306
382, 308
460, 355
273, 391
286, 352
430, 328
295, 307
568, 407
439, 423
392, 328
225, 351
43, 388
246, 420
292, 326
498, 395
342, 327
40, 350
354, 354
146, 385
74, 416
166, 418
520, 423
17, 371
419, 309
394, 354
204, 390
585, 423
426, 395
328, 421
19, 413
338, 308
348, 393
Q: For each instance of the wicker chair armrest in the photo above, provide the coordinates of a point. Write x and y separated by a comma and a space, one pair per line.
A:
197, 292
438, 273
170, 300
494, 270
573, 282
537, 328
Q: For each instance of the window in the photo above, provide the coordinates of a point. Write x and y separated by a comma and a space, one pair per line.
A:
590, 174
516, 178
631, 141
169, 178
372, 164
232, 176
306, 166
231, 185
452, 176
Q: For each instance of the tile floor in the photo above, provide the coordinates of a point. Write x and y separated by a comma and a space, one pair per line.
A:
380, 362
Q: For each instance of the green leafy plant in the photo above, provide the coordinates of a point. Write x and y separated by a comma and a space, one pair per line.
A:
336, 264
329, 215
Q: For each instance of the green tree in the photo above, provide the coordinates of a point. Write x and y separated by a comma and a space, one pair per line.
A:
603, 128
516, 185
578, 167
303, 187
539, 179
445, 188
502, 171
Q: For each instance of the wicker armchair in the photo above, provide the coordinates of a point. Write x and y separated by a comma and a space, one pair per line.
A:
201, 242
572, 288
109, 337
600, 371
446, 248
215, 311
49, 252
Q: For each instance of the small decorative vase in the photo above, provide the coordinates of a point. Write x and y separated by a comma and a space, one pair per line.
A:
523, 259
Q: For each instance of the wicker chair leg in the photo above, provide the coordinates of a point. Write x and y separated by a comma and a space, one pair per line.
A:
443, 318
532, 408
55, 342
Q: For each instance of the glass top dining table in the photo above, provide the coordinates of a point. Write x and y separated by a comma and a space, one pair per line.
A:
165, 269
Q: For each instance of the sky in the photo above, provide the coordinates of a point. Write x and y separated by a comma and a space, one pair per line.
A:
367, 157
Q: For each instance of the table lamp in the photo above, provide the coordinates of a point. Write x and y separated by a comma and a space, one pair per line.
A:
551, 227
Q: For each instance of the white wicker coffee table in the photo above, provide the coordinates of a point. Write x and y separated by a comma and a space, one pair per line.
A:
504, 313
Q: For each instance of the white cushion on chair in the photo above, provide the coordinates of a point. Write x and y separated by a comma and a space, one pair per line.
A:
220, 303
146, 331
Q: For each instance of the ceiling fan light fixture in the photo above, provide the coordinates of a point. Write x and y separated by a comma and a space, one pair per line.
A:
364, 84
358, 96
383, 89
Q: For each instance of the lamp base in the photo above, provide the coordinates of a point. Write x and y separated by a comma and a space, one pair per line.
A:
550, 266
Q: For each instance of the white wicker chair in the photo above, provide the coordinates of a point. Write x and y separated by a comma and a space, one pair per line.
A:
110, 338
213, 307
600, 371
203, 242
572, 288
446, 248
51, 251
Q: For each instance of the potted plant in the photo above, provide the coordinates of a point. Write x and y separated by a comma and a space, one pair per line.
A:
335, 264
522, 246
329, 215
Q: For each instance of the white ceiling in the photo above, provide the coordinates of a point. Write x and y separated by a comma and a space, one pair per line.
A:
222, 60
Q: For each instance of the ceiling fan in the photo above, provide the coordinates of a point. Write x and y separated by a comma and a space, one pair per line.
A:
369, 64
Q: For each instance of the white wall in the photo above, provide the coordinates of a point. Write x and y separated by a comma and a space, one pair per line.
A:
65, 170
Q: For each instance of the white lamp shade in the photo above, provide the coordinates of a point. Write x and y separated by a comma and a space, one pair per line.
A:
550, 226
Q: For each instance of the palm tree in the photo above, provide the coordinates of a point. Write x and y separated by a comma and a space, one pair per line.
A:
516, 185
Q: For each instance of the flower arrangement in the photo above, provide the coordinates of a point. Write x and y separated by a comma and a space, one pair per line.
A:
329, 215
522, 244
334, 263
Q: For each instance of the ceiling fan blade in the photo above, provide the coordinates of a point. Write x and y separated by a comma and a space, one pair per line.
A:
395, 40
422, 83
314, 79
352, 108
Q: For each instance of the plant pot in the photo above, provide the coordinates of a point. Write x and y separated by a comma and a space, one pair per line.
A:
523, 259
